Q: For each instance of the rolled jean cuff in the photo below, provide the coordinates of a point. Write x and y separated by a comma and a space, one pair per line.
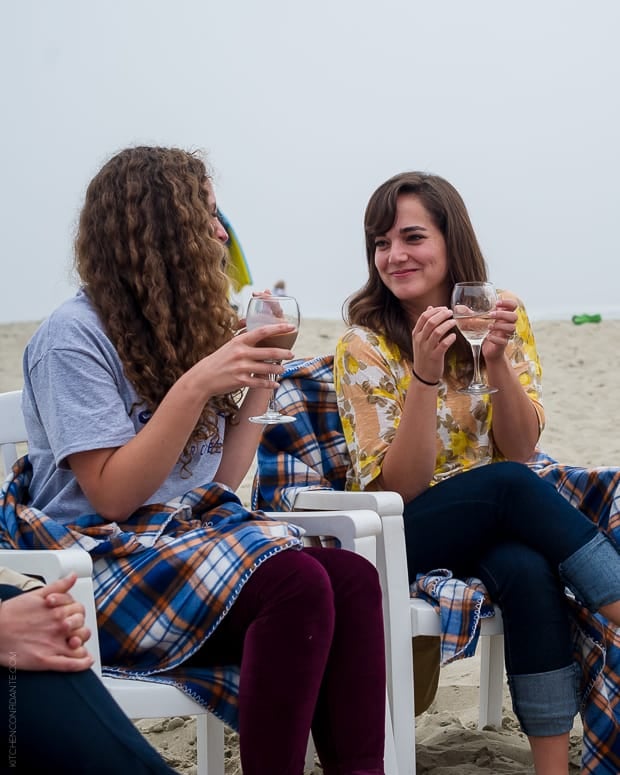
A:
593, 573
546, 703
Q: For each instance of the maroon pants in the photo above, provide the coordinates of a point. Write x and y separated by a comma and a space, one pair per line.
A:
307, 630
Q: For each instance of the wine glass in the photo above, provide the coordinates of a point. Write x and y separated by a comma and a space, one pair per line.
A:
266, 310
471, 304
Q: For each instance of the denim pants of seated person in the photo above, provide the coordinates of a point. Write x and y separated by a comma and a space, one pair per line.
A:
514, 531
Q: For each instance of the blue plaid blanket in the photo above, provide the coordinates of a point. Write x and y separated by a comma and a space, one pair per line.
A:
163, 580
312, 453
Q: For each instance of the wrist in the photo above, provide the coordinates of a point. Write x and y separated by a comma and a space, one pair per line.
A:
424, 381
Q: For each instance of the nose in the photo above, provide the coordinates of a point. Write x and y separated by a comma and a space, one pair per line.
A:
220, 232
398, 252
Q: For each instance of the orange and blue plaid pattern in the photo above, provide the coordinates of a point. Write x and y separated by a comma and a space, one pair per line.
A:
311, 452
163, 580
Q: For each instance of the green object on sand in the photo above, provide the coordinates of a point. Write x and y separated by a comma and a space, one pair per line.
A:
579, 319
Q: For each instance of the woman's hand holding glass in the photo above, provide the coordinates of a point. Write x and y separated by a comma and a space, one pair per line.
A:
502, 330
473, 305
268, 310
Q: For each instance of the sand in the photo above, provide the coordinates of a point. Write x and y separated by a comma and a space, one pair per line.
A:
581, 372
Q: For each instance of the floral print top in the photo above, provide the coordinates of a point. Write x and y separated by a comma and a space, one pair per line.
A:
371, 379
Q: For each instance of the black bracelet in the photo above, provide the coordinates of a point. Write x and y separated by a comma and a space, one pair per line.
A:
424, 381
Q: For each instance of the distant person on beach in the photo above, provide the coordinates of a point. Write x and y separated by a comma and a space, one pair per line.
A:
279, 289
57, 715
398, 371
136, 399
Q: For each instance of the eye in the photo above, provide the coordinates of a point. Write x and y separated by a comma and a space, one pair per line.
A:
414, 237
380, 243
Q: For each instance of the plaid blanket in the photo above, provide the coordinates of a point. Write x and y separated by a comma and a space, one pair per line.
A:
311, 453
163, 580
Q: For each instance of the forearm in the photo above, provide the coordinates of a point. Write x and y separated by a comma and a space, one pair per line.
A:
409, 463
515, 420
242, 439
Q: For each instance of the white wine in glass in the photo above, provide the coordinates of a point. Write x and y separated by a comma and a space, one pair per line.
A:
267, 310
471, 304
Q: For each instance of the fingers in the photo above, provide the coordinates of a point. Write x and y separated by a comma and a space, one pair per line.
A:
268, 331
59, 586
78, 638
435, 326
74, 621
68, 664
58, 599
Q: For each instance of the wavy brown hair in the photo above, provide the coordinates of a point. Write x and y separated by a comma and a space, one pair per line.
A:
376, 307
146, 254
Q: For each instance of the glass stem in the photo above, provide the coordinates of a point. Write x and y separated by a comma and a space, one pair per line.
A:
271, 406
475, 348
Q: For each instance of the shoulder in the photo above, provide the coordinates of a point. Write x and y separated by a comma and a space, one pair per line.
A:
358, 339
362, 351
74, 325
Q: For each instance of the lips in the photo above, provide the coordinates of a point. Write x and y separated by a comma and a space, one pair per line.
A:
404, 272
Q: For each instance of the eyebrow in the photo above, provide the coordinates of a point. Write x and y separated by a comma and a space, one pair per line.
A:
407, 229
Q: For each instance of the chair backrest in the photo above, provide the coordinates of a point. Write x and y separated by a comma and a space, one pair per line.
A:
12, 428
310, 452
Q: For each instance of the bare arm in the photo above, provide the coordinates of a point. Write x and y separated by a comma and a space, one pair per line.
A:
242, 439
409, 462
118, 481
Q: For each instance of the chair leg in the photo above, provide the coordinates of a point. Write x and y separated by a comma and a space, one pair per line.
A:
309, 762
209, 745
491, 680
390, 759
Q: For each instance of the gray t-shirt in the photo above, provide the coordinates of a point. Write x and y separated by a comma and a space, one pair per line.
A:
76, 398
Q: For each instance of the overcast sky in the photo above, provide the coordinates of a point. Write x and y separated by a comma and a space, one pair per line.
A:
303, 109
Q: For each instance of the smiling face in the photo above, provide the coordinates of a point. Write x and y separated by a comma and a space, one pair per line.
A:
411, 258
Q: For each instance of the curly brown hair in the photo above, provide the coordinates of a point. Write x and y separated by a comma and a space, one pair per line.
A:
376, 307
146, 254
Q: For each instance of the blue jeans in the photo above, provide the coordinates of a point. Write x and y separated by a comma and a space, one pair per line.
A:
514, 531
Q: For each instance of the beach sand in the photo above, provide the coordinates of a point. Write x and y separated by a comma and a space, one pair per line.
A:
580, 378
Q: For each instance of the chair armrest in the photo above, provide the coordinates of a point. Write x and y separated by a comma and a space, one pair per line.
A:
356, 529
382, 502
50, 564
53, 564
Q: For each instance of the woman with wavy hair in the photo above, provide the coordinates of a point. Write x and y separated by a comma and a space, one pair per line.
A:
471, 505
137, 396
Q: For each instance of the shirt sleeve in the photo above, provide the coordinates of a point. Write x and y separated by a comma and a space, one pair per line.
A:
78, 402
371, 385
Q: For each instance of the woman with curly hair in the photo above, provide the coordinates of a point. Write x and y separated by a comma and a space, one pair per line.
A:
457, 460
137, 397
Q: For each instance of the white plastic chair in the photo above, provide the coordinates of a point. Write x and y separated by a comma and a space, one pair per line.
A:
404, 617
356, 531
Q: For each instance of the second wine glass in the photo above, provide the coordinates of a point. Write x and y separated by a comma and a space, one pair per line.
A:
471, 304
267, 310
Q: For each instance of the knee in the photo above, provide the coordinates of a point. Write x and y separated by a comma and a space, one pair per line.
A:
516, 475
352, 576
357, 576
295, 577
513, 568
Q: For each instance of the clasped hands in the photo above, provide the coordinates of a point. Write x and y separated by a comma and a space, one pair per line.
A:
44, 629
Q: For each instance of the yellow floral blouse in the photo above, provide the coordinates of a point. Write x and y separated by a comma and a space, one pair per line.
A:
371, 379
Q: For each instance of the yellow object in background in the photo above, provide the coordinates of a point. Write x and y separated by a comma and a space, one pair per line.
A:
238, 269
